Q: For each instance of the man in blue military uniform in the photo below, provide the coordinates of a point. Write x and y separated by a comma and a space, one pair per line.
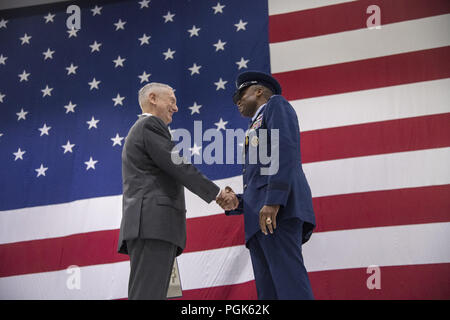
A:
276, 200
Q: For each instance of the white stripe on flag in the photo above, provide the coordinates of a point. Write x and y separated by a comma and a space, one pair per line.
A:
102, 281
215, 267
383, 246
381, 104
58, 220
285, 6
379, 172
395, 38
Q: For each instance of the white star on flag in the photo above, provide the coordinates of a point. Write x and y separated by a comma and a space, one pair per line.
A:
195, 69
195, 108
41, 170
95, 46
94, 84
21, 114
120, 24
168, 17
24, 76
71, 69
25, 39
220, 45
220, 84
68, 147
96, 11
49, 17
168, 54
242, 63
19, 154
3, 59
2, 96
193, 31
46, 91
221, 124
3, 23
195, 149
240, 25
144, 4
118, 100
218, 8
44, 130
117, 140
92, 123
90, 164
48, 54
72, 32
70, 107
119, 62
144, 76
144, 39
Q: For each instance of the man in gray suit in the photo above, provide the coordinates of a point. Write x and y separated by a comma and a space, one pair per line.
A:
153, 227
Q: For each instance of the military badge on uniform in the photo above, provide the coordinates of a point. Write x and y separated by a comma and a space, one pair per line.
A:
254, 141
258, 122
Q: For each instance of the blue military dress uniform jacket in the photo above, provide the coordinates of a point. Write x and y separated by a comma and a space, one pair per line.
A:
286, 184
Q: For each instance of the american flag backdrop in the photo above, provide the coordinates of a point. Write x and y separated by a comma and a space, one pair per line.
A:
373, 106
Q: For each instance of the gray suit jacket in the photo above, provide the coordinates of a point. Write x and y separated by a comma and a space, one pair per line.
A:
153, 193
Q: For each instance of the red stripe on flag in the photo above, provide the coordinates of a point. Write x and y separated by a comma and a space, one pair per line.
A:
216, 231
383, 208
396, 282
382, 137
425, 281
424, 65
241, 291
348, 16
53, 254
362, 210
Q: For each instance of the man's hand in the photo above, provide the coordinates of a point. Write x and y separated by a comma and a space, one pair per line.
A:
268, 218
227, 199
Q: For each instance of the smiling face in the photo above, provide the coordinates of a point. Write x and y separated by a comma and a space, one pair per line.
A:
164, 104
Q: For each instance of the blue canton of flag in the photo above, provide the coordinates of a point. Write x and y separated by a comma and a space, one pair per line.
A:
69, 97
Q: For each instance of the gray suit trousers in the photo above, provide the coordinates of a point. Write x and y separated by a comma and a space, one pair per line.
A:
151, 262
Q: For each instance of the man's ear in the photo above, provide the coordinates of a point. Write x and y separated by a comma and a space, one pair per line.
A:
152, 98
259, 92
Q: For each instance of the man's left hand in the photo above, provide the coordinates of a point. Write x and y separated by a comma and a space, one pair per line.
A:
268, 218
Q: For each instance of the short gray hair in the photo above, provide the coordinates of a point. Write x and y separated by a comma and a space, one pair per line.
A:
149, 88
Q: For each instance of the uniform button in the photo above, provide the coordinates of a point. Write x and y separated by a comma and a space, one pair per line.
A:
245, 186
243, 170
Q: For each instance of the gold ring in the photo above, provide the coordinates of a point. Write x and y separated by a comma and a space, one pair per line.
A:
268, 221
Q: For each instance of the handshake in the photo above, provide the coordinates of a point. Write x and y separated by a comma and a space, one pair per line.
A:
227, 199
